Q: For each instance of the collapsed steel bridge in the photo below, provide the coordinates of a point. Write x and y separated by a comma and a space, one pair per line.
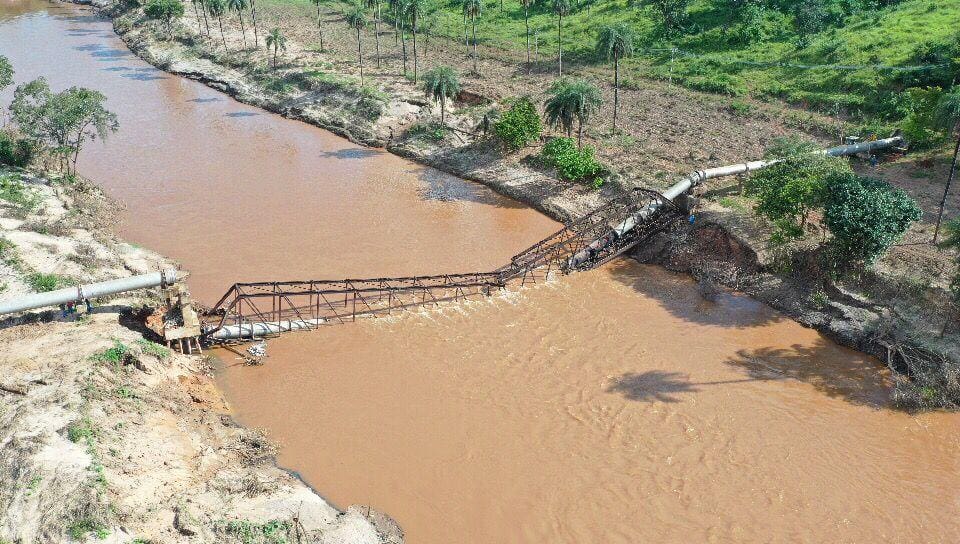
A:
258, 309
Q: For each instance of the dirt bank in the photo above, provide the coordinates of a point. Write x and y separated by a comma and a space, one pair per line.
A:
105, 434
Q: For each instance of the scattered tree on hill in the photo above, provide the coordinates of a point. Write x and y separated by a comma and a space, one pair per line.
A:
203, 10
947, 117
357, 19
218, 8
473, 9
319, 23
238, 6
196, 12
375, 6
440, 84
415, 10
671, 14
560, 8
572, 100
63, 122
278, 42
166, 10
865, 217
615, 42
253, 17
520, 125
809, 17
526, 21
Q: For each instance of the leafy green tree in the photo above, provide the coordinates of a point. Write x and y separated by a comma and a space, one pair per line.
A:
809, 17
440, 84
947, 118
238, 6
62, 121
166, 10
572, 100
357, 19
560, 8
6, 72
473, 9
786, 192
865, 216
520, 125
415, 9
671, 14
218, 8
277, 41
615, 42
319, 23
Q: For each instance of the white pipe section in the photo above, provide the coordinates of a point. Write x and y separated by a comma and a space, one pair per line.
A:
252, 330
696, 178
82, 292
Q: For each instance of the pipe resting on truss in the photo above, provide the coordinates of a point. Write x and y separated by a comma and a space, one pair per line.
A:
687, 183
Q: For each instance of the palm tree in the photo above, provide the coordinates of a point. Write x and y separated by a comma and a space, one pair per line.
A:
319, 27
357, 19
206, 23
561, 8
277, 41
615, 42
572, 100
375, 4
948, 117
440, 84
526, 20
239, 6
253, 15
218, 8
473, 9
415, 9
197, 13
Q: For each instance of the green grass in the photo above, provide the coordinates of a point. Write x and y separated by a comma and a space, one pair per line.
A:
24, 200
248, 532
79, 529
152, 348
43, 283
712, 60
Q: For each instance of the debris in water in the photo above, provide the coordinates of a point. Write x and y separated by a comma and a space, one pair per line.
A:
257, 353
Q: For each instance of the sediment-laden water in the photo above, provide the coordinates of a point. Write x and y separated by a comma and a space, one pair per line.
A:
611, 406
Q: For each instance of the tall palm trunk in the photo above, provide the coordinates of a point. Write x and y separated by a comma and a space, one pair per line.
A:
526, 20
466, 40
197, 13
319, 27
376, 29
396, 24
222, 37
946, 190
559, 46
616, 90
403, 43
360, 54
243, 32
579, 134
414, 46
473, 20
253, 15
206, 23
443, 109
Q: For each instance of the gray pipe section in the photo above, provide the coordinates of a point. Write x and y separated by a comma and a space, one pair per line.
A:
92, 290
252, 330
696, 178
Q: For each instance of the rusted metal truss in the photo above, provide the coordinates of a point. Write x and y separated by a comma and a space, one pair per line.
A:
298, 305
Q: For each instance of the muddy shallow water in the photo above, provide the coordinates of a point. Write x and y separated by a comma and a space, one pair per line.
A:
612, 406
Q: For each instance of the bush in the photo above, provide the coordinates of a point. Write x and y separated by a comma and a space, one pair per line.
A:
918, 107
520, 125
865, 216
15, 151
43, 283
572, 164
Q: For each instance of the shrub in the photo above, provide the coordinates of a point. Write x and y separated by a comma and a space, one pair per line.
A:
717, 83
572, 164
865, 216
43, 283
918, 105
21, 198
15, 151
520, 125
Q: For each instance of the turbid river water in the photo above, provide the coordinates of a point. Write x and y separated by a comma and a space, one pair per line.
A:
611, 406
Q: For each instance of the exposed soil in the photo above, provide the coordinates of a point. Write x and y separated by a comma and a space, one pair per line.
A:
103, 433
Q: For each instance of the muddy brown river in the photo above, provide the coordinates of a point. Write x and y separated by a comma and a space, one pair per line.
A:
610, 406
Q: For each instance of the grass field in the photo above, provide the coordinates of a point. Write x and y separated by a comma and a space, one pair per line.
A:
710, 58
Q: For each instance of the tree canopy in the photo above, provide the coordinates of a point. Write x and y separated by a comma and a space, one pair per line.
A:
440, 84
166, 10
572, 100
62, 121
6, 72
